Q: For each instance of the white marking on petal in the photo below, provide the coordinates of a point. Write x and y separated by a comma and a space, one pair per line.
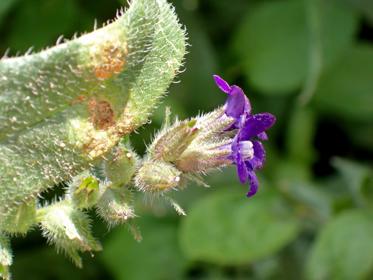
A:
246, 149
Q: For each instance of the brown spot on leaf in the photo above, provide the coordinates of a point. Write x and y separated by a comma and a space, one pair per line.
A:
101, 113
78, 99
110, 61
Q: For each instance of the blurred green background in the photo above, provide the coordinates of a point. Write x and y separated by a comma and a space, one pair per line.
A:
310, 62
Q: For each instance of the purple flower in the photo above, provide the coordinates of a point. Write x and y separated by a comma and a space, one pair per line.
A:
247, 151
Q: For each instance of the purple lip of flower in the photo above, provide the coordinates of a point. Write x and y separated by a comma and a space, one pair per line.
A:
247, 151
237, 103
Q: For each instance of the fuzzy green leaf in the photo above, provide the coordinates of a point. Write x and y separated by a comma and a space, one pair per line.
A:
65, 107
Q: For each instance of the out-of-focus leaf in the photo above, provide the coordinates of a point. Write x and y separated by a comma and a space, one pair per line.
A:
227, 228
347, 87
343, 249
311, 197
294, 179
365, 7
38, 23
196, 191
157, 256
274, 42
268, 268
196, 89
361, 134
220, 29
5, 6
288, 171
355, 175
300, 134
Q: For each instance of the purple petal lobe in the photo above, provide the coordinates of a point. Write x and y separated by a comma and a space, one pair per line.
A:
254, 184
237, 103
256, 124
257, 161
263, 136
235, 146
223, 85
239, 161
242, 171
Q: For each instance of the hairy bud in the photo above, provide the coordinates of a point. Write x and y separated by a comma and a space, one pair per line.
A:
116, 206
157, 176
85, 190
204, 158
69, 229
172, 142
195, 146
120, 165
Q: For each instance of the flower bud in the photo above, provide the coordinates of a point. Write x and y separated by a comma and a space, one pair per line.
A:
68, 228
157, 176
121, 165
211, 148
201, 159
85, 190
6, 258
172, 142
115, 206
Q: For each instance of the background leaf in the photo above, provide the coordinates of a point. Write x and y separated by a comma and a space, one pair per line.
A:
274, 41
60, 15
300, 135
5, 6
156, 257
343, 249
226, 229
355, 175
347, 88
365, 7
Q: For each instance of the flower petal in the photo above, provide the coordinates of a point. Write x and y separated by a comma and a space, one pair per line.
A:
242, 171
254, 184
237, 103
235, 146
263, 136
222, 84
257, 161
256, 124
239, 160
